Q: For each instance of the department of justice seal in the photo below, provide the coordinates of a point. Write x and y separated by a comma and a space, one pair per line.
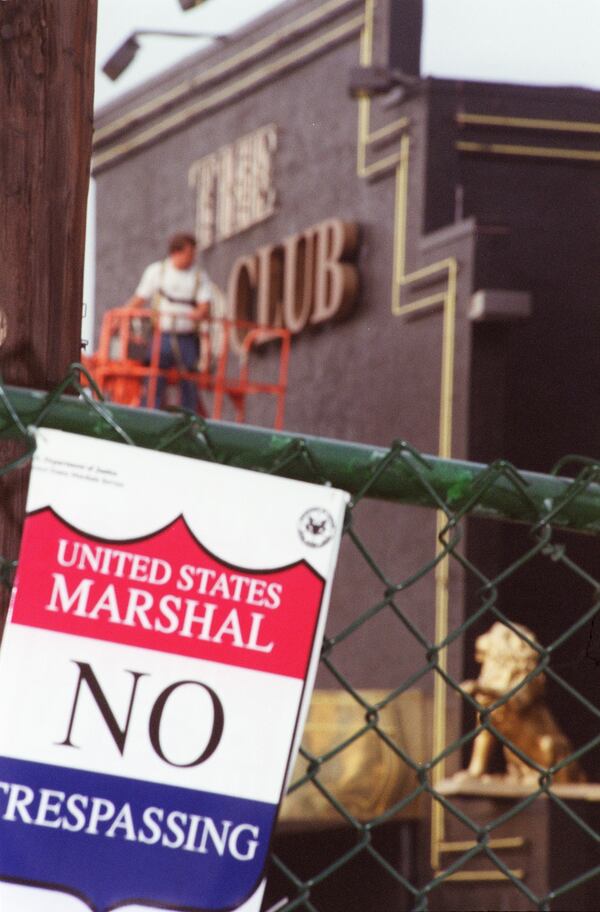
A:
316, 527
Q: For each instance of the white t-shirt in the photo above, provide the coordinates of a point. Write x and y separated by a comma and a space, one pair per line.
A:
178, 290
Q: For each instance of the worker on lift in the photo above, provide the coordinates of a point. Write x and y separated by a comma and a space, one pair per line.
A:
180, 295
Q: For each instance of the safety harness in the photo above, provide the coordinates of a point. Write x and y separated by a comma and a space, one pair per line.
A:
158, 295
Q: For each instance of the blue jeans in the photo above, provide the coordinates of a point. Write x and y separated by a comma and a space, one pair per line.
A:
182, 352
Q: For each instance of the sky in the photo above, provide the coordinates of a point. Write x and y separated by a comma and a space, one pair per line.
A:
546, 42
530, 41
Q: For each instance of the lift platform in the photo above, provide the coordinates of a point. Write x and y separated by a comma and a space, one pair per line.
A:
232, 364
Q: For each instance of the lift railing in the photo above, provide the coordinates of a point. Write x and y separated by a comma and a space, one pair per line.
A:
127, 365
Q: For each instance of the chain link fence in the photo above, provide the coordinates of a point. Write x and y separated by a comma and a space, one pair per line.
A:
379, 817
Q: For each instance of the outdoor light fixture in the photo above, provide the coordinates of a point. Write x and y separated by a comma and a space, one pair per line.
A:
122, 57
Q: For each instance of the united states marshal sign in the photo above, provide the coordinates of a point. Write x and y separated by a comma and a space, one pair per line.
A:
154, 676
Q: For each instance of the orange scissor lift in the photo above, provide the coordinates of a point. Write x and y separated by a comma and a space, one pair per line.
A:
126, 364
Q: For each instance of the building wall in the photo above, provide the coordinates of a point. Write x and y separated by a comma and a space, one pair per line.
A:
445, 206
360, 378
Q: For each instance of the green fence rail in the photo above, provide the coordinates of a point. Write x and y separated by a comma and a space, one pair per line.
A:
547, 507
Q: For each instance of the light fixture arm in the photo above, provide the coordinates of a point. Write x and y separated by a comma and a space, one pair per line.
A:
168, 34
124, 54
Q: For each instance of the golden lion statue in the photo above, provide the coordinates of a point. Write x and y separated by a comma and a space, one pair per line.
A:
524, 719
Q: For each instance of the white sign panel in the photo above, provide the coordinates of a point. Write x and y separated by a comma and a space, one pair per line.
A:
155, 672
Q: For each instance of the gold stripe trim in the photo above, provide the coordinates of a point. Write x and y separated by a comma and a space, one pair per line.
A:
506, 842
529, 123
395, 127
475, 876
448, 270
400, 218
180, 117
531, 151
421, 304
219, 69
447, 298
383, 164
365, 135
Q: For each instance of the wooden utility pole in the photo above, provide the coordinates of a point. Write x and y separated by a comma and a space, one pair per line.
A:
47, 52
